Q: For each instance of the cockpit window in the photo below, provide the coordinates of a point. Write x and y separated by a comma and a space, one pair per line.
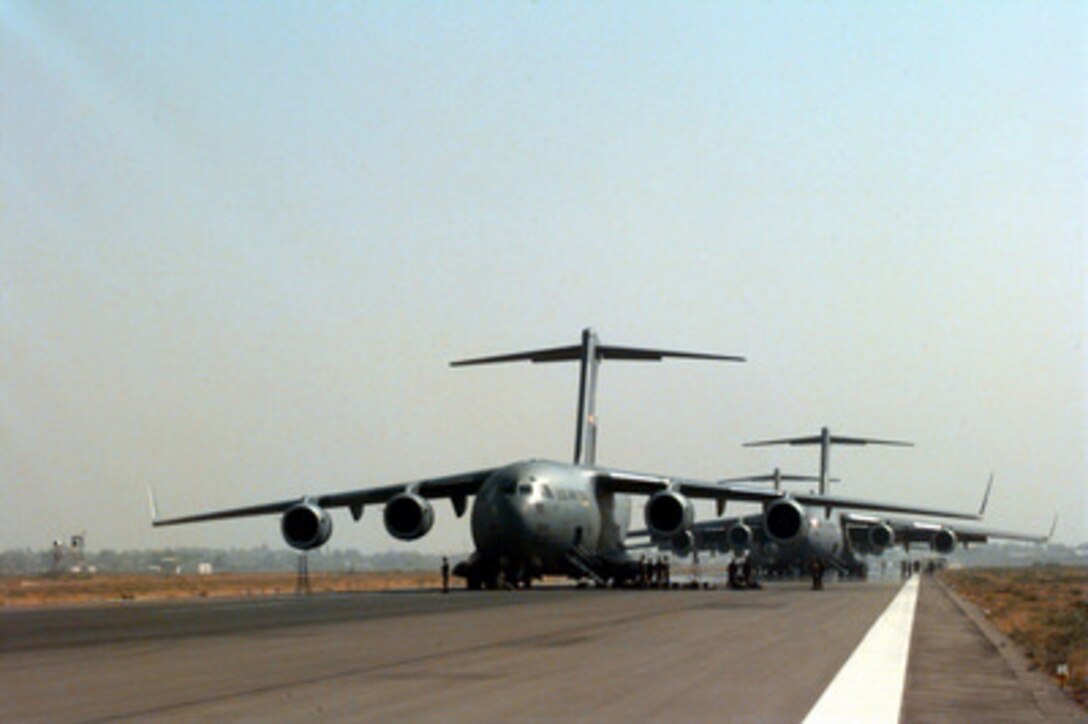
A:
525, 489
547, 490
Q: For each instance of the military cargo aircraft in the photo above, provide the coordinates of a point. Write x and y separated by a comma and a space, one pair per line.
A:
837, 542
539, 517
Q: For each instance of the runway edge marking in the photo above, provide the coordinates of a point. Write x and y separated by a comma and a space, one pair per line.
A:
869, 686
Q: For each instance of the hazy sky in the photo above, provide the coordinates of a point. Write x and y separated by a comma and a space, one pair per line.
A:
239, 243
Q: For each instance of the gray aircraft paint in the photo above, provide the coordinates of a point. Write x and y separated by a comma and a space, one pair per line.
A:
537, 512
825, 539
534, 517
838, 541
529, 517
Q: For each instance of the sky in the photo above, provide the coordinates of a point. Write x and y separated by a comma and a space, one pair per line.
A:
240, 242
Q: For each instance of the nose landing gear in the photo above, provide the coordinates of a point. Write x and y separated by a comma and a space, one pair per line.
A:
506, 574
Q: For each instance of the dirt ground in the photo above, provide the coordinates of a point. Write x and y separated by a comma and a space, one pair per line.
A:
1044, 610
43, 591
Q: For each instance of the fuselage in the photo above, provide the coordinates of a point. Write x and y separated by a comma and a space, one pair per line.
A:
532, 514
821, 540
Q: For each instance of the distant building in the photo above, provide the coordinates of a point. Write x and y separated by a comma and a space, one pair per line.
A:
169, 566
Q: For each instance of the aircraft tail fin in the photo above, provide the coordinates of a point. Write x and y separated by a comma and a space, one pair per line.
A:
589, 354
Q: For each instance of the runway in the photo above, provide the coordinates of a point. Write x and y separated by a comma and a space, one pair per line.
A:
542, 654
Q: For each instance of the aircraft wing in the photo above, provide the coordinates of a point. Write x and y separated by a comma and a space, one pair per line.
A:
710, 535
711, 528
641, 484
915, 531
458, 487
835, 501
714, 534
619, 481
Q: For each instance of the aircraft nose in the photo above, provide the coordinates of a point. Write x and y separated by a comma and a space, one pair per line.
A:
502, 520
517, 511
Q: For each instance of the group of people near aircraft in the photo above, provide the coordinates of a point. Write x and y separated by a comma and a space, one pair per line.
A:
532, 518
742, 574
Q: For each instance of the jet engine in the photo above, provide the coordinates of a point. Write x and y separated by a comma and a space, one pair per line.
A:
943, 541
784, 521
668, 513
408, 516
683, 543
880, 537
740, 537
306, 526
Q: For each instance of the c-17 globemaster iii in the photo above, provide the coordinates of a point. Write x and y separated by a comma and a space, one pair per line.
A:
538, 517
811, 533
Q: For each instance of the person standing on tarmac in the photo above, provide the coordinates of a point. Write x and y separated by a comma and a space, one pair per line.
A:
445, 574
817, 568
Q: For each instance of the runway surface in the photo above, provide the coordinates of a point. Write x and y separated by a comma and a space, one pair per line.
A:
543, 654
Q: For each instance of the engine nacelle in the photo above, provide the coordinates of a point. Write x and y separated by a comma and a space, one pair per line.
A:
668, 513
784, 521
683, 543
306, 526
943, 541
740, 537
408, 516
880, 536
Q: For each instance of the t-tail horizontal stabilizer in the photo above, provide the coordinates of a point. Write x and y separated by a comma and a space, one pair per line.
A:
825, 440
777, 477
589, 354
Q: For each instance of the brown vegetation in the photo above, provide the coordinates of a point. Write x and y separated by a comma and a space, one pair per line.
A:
1043, 610
38, 591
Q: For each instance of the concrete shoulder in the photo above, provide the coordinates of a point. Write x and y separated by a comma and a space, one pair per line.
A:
963, 669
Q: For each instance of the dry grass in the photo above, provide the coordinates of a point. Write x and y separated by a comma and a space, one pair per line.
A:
35, 591
1044, 610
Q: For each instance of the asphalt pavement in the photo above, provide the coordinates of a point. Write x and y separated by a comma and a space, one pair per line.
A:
563, 653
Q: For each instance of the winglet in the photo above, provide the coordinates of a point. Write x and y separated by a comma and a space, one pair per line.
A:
152, 505
986, 497
1053, 527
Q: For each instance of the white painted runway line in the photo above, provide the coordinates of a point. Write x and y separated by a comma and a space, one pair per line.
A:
869, 686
